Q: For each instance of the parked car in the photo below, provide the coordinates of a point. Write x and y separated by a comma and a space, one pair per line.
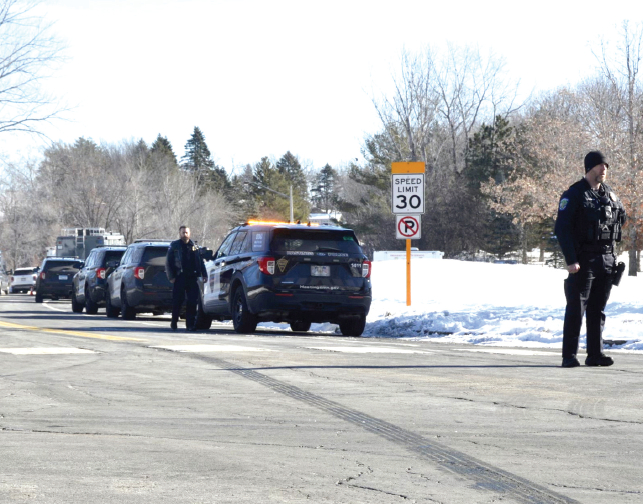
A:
89, 284
22, 280
291, 273
139, 284
55, 277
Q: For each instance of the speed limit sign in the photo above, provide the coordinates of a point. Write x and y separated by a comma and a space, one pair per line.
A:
408, 193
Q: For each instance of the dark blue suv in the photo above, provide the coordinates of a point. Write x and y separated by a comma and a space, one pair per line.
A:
139, 283
55, 277
90, 283
291, 273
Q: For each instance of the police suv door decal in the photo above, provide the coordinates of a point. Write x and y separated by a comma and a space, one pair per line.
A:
212, 287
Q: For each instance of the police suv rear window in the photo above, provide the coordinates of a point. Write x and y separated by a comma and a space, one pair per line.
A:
113, 255
304, 240
154, 256
23, 271
61, 265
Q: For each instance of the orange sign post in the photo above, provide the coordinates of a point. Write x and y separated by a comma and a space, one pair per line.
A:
407, 199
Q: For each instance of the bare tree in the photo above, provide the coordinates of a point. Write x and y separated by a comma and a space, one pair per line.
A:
409, 115
26, 230
621, 68
28, 54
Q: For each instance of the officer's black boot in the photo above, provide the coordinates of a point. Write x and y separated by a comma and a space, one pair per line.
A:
570, 361
599, 360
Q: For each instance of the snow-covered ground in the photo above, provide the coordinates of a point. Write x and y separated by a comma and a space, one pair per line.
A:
488, 304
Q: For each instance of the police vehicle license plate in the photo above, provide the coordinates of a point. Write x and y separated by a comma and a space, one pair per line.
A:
62, 277
320, 271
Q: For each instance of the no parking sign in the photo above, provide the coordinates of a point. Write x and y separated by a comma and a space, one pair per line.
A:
408, 227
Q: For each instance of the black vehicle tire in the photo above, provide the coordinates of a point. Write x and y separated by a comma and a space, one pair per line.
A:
76, 307
127, 312
353, 326
203, 320
110, 310
242, 320
91, 308
300, 325
38, 298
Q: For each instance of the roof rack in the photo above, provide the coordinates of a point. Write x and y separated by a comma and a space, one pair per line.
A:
151, 240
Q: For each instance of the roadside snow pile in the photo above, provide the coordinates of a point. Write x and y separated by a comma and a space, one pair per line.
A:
490, 304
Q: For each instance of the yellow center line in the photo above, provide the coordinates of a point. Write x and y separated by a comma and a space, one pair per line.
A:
67, 332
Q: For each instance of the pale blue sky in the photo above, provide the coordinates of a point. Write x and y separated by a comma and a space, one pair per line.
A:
263, 77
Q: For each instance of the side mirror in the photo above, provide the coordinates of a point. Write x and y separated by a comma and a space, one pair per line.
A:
206, 254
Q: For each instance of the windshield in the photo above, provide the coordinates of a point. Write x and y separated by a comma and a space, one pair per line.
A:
314, 240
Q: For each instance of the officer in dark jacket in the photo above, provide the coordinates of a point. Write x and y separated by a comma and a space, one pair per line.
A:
183, 265
590, 217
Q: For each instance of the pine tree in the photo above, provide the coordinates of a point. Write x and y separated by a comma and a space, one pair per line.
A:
198, 160
197, 156
323, 190
271, 205
162, 147
290, 168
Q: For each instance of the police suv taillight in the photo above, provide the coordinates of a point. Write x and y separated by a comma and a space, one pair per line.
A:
266, 265
366, 269
100, 273
42, 275
139, 273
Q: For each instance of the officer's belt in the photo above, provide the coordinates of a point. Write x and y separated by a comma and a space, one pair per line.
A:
597, 249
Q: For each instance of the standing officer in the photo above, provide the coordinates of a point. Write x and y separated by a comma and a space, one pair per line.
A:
589, 221
183, 265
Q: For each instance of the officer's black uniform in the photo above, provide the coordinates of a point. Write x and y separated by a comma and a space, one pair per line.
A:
183, 263
588, 223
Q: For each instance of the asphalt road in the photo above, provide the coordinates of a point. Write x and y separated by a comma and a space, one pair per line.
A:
95, 410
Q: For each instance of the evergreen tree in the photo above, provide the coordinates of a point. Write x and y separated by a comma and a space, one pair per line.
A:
162, 148
245, 192
198, 160
269, 204
493, 154
217, 178
323, 190
197, 157
290, 169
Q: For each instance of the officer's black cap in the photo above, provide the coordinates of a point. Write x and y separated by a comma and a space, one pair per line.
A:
594, 158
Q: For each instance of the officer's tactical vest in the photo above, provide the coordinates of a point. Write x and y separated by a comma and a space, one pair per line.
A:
602, 216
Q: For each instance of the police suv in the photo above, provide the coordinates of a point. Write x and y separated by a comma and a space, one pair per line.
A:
280, 272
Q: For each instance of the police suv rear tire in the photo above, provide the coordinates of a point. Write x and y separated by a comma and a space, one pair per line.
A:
91, 307
127, 312
300, 325
110, 310
242, 320
353, 326
76, 307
